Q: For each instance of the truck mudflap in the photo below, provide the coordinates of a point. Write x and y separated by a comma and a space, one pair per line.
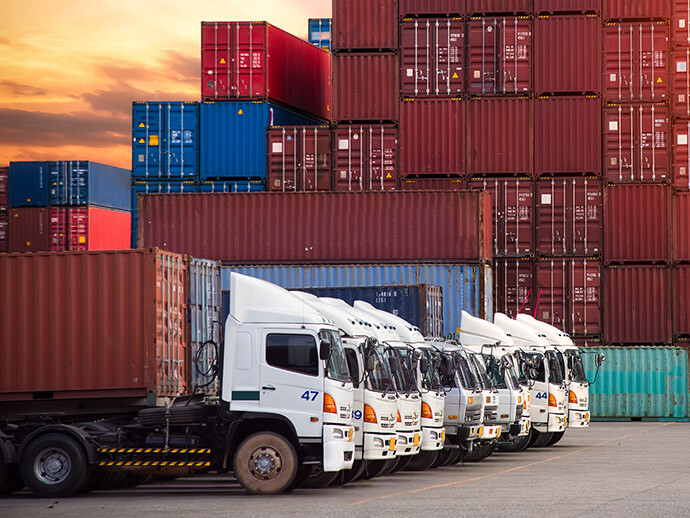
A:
338, 447
433, 438
557, 422
514, 429
379, 446
578, 418
408, 443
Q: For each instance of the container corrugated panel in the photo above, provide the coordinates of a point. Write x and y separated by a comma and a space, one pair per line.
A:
514, 286
165, 141
365, 158
431, 7
499, 6
320, 32
567, 135
29, 229
432, 137
299, 159
500, 136
365, 87
569, 217
681, 301
636, 10
365, 25
4, 188
92, 325
680, 82
465, 287
637, 305
638, 382
681, 155
432, 184
567, 6
4, 231
233, 137
681, 227
680, 24
320, 227
567, 54
637, 223
255, 61
637, 143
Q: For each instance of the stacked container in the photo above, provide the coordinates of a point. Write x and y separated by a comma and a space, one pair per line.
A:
320, 32
4, 202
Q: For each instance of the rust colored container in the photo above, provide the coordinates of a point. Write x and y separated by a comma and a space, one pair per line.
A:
637, 223
443, 8
432, 184
480, 7
637, 143
4, 232
681, 302
365, 87
365, 25
500, 136
299, 159
432, 137
499, 56
567, 54
637, 305
680, 28
432, 55
567, 131
681, 228
567, 6
312, 228
365, 158
92, 325
513, 214
569, 217
636, 61
680, 82
636, 9
4, 186
681, 155
514, 287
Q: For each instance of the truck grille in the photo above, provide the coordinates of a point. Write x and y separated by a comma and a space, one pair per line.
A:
345, 413
490, 416
473, 416
386, 421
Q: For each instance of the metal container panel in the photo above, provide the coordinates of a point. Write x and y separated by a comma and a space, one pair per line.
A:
465, 287
514, 286
255, 61
4, 232
432, 184
365, 87
681, 227
320, 227
365, 25
432, 137
165, 141
480, 7
500, 136
320, 32
680, 26
636, 10
4, 188
567, 135
681, 155
426, 8
637, 223
638, 382
365, 158
681, 301
299, 159
567, 6
567, 54
637, 305
85, 325
680, 82
29, 229
220, 186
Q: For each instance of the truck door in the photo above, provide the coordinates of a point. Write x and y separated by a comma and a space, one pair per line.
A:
540, 393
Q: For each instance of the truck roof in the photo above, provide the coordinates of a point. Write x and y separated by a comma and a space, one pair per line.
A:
478, 332
554, 335
522, 334
406, 331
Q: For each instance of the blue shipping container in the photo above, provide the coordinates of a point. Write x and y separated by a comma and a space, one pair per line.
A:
233, 137
232, 186
465, 287
165, 141
69, 183
320, 32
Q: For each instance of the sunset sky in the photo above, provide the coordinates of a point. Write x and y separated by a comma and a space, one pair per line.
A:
70, 69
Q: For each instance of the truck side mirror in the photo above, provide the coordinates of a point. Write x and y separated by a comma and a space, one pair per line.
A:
600, 359
370, 361
325, 350
394, 363
448, 367
533, 373
424, 363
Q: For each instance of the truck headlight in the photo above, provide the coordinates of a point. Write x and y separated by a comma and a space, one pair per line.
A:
378, 442
338, 433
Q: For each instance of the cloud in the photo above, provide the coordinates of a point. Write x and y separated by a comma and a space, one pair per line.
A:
184, 68
117, 99
21, 89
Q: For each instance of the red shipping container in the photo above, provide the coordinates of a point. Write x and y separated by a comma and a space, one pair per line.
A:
636, 9
567, 55
4, 188
637, 143
513, 214
4, 232
567, 131
432, 137
500, 136
569, 217
499, 56
680, 32
637, 223
499, 6
257, 61
365, 25
365, 158
514, 286
680, 69
681, 155
433, 184
299, 159
432, 55
93, 325
443, 8
567, 6
681, 228
681, 302
636, 61
637, 305
314, 228
365, 87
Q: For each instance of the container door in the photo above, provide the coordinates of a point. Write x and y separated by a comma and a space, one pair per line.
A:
681, 82
514, 287
482, 48
619, 62
416, 56
147, 128
350, 162
551, 216
681, 156
449, 57
552, 292
181, 128
652, 62
283, 152
315, 151
619, 138
654, 143
382, 166
78, 228
59, 178
58, 229
585, 298
249, 74
586, 205
515, 58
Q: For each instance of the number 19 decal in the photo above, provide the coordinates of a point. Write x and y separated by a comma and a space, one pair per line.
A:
309, 395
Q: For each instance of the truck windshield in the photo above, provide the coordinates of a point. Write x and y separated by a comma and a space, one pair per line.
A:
541, 368
337, 364
493, 370
521, 370
431, 379
405, 378
480, 371
576, 367
467, 377
381, 378
555, 373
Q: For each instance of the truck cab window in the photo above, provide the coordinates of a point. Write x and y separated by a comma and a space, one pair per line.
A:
296, 353
351, 357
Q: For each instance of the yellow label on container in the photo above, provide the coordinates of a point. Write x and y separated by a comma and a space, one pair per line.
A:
142, 125
222, 61
82, 240
153, 140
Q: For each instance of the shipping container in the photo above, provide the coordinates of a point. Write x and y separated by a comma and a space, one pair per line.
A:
637, 305
636, 9
165, 141
92, 325
567, 6
681, 155
569, 217
638, 382
479, 7
499, 56
4, 232
220, 186
299, 158
432, 57
680, 28
432, 137
680, 82
432, 184
255, 61
681, 301
567, 54
465, 287
567, 136
4, 188
365, 25
365, 158
233, 137
43, 184
681, 228
427, 8
320, 32
421, 305
308, 227
365, 87
514, 286
637, 223
500, 136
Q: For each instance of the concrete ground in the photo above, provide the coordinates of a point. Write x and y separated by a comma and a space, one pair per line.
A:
611, 469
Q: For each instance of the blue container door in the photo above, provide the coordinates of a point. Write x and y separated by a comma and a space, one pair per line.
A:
29, 184
69, 183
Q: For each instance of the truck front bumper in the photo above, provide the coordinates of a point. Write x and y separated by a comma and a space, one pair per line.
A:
338, 447
409, 443
557, 423
487, 433
433, 438
379, 446
578, 418
525, 426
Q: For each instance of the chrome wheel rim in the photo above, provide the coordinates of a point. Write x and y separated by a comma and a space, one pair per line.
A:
52, 466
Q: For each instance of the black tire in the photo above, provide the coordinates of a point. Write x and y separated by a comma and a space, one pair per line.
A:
375, 468
112, 480
557, 436
10, 478
303, 473
389, 467
53, 466
441, 458
515, 444
479, 453
533, 436
402, 463
422, 461
453, 458
321, 480
350, 475
265, 464
94, 480
542, 440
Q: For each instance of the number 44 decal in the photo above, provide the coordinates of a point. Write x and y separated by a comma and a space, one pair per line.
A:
541, 395
309, 395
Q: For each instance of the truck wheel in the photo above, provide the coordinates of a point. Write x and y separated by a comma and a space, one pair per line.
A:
542, 440
54, 465
10, 478
422, 461
557, 436
351, 475
374, 468
321, 480
389, 467
402, 463
265, 464
514, 444
479, 453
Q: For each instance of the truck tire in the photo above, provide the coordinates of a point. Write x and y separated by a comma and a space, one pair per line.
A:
479, 453
389, 467
351, 475
557, 436
542, 440
422, 461
320, 480
265, 464
514, 444
10, 478
54, 465
374, 468
402, 463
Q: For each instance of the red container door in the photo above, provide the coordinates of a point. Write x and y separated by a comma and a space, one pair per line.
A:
316, 159
4, 232
282, 159
681, 155
681, 302
680, 63
349, 164
106, 230
585, 298
681, 228
416, 58
383, 158
449, 57
482, 56
365, 25
619, 63
59, 230
655, 143
514, 288
515, 56
29, 230
552, 292
653, 62
81, 231
681, 27
619, 144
